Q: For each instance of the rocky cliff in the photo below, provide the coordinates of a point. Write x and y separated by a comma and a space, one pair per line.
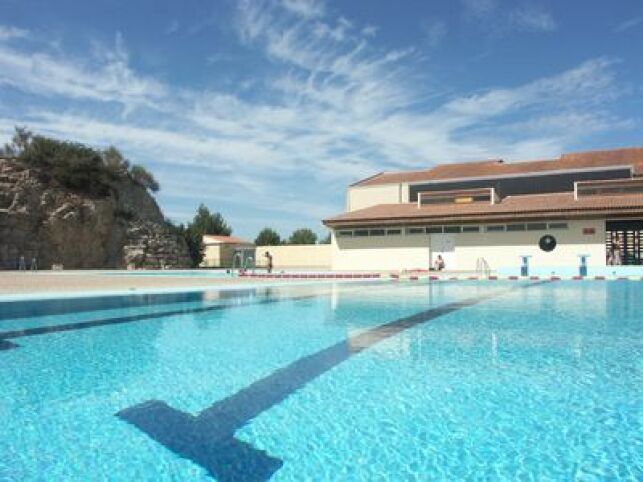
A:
41, 219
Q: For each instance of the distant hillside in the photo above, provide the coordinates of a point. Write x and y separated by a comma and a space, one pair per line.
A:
67, 203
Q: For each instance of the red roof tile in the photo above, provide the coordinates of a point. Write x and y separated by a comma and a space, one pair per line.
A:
579, 160
536, 206
225, 239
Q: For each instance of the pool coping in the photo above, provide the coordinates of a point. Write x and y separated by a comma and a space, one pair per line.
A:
47, 295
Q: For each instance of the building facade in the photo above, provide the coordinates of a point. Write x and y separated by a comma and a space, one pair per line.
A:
549, 216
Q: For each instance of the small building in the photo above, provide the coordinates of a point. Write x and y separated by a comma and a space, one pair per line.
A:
219, 250
549, 215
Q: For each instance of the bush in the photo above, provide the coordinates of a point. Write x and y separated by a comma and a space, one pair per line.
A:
302, 236
74, 165
268, 237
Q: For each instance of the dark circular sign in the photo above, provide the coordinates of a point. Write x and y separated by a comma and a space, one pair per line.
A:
547, 243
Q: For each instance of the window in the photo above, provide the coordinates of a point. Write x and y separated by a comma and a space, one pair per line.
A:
377, 232
415, 231
495, 228
393, 232
360, 232
515, 227
452, 229
547, 243
558, 226
536, 226
433, 229
344, 234
470, 229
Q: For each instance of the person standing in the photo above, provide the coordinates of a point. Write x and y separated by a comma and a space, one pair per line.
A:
268, 261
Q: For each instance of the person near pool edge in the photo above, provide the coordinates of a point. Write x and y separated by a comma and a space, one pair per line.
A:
439, 263
268, 261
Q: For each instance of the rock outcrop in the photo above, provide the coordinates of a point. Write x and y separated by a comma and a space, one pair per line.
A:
44, 221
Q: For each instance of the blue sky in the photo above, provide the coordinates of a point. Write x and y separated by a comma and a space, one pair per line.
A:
266, 110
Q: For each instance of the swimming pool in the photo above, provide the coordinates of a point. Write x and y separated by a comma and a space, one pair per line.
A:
408, 381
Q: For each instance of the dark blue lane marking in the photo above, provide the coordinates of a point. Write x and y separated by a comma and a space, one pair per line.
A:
82, 325
10, 310
7, 345
208, 438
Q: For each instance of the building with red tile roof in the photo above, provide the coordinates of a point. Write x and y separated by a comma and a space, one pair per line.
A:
496, 213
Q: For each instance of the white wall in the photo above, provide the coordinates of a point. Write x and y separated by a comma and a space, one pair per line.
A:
503, 250
499, 249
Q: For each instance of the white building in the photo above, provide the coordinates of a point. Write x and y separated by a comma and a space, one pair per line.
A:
550, 215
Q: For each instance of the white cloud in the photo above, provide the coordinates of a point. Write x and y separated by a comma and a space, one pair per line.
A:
8, 33
499, 18
629, 24
435, 31
332, 108
108, 78
305, 8
532, 18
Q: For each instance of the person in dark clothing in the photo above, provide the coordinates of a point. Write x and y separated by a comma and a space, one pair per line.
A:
268, 261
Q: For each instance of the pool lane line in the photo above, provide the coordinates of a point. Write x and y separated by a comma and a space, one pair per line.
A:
83, 325
208, 439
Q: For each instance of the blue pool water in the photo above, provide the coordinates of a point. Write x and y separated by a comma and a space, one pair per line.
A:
409, 381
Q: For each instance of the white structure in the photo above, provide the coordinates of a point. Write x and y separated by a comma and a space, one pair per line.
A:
580, 208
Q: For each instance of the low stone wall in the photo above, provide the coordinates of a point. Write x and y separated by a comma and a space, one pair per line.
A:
317, 256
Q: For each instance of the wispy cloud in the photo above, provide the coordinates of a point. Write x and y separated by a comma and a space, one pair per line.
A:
107, 77
334, 106
7, 33
629, 24
435, 31
498, 17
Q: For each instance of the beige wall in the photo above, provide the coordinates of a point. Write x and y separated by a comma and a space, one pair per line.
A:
220, 255
380, 253
316, 256
366, 196
499, 249
212, 256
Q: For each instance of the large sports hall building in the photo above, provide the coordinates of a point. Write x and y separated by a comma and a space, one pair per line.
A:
577, 213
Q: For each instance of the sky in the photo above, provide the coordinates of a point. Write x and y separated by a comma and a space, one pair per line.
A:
266, 110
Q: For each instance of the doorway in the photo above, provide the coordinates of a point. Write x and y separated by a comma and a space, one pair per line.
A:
623, 242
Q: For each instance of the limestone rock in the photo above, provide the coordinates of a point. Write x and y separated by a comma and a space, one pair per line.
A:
58, 226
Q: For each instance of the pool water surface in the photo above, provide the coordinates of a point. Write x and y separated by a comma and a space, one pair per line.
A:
360, 381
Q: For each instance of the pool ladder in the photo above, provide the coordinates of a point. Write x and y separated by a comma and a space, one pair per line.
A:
482, 267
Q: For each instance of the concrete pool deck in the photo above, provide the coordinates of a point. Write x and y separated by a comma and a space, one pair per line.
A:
15, 282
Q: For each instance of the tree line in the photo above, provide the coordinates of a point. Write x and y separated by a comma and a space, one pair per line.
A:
206, 222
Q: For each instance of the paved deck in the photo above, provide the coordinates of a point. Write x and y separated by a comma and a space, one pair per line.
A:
13, 282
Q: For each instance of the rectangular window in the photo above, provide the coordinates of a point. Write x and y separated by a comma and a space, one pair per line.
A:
360, 232
344, 234
536, 226
452, 229
393, 232
433, 229
495, 228
470, 229
415, 231
377, 232
515, 227
558, 226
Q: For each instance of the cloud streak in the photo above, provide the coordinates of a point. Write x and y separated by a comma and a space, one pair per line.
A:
332, 107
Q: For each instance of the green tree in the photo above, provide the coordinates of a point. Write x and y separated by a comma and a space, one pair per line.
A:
302, 236
144, 178
325, 239
115, 162
204, 222
268, 237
